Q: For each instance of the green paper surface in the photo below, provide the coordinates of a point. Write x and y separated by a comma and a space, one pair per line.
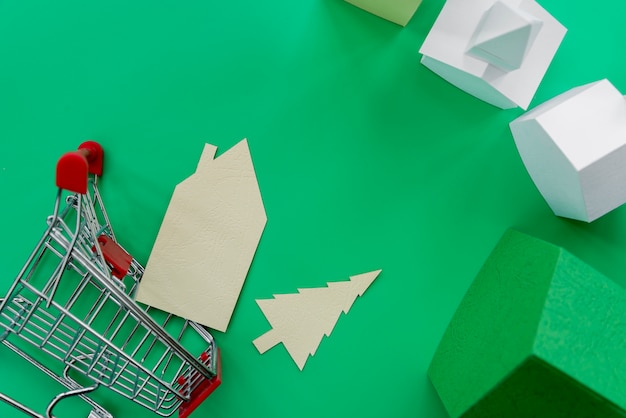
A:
552, 394
365, 160
582, 331
538, 334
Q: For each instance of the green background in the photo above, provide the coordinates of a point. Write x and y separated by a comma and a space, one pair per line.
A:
365, 160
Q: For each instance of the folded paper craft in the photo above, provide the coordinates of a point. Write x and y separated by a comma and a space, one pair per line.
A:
396, 11
207, 240
497, 51
539, 334
574, 148
300, 320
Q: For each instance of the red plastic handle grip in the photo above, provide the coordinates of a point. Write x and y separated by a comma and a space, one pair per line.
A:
116, 256
74, 167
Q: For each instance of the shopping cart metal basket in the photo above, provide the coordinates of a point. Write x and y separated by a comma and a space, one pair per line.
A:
70, 310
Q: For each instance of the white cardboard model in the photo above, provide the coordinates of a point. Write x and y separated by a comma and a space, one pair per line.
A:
574, 148
495, 50
300, 320
396, 11
207, 240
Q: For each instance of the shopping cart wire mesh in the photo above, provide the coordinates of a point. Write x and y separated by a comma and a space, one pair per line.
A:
72, 300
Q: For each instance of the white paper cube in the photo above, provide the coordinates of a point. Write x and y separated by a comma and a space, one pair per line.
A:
496, 50
396, 11
574, 148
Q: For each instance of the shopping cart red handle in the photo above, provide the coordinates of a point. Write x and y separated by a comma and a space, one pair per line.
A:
74, 167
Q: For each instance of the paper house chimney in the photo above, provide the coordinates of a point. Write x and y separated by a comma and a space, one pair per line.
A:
396, 11
574, 148
497, 51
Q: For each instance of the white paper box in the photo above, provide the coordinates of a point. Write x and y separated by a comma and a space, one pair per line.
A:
574, 148
497, 51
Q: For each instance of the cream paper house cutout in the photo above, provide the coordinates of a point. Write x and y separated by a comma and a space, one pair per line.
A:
574, 148
300, 320
495, 50
396, 11
207, 240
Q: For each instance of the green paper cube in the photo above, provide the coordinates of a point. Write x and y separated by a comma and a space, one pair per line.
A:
538, 334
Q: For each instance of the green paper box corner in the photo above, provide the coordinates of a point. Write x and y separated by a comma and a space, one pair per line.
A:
538, 334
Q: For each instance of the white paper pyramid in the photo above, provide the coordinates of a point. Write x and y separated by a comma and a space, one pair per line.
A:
396, 11
504, 35
497, 51
574, 148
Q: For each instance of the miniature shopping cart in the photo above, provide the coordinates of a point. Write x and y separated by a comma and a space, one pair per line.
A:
69, 312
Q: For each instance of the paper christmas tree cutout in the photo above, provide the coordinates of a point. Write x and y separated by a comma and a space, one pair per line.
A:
539, 334
574, 148
300, 320
396, 11
495, 50
504, 35
207, 240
